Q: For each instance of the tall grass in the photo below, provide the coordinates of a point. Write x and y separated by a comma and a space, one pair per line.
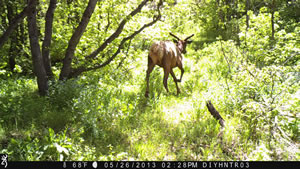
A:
104, 115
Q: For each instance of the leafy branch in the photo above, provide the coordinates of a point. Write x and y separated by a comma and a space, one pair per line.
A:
15, 22
82, 69
118, 31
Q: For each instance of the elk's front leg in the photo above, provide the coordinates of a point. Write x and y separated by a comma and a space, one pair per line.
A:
149, 70
175, 80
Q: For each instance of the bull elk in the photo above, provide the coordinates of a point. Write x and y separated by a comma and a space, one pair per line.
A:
167, 55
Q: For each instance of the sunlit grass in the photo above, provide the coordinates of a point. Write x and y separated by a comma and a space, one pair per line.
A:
105, 116
176, 111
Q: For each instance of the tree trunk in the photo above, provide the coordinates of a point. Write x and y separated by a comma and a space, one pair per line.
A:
247, 16
15, 23
237, 17
38, 65
272, 25
48, 37
66, 69
272, 19
13, 41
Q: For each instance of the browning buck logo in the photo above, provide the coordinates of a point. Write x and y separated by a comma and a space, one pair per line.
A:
4, 160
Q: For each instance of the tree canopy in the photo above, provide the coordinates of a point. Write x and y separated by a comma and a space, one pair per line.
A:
72, 80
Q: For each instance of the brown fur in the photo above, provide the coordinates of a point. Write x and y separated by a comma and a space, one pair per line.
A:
167, 55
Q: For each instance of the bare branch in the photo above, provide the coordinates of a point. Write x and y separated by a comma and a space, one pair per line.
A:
229, 67
215, 113
108, 22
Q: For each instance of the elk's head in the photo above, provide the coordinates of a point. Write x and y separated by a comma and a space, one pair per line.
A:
181, 44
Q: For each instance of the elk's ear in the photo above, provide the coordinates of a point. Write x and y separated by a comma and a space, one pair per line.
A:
189, 41
175, 41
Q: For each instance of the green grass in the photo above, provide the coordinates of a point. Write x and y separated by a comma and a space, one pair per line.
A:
104, 116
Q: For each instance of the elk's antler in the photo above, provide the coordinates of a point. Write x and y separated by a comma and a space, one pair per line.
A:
189, 37
174, 36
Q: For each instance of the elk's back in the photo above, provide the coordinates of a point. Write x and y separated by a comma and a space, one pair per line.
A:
164, 52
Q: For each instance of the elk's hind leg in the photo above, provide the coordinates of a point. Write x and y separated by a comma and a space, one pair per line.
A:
149, 70
182, 71
175, 80
166, 75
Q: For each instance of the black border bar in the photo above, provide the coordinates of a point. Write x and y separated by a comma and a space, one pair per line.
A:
152, 164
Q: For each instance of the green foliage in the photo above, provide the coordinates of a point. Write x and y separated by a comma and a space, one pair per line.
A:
252, 80
261, 50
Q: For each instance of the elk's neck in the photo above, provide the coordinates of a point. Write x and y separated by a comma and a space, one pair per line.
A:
180, 47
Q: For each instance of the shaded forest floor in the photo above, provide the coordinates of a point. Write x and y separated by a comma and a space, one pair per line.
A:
104, 115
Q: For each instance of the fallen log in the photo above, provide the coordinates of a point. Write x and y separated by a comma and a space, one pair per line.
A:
215, 113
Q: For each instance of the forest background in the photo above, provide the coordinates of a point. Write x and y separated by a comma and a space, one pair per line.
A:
72, 80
